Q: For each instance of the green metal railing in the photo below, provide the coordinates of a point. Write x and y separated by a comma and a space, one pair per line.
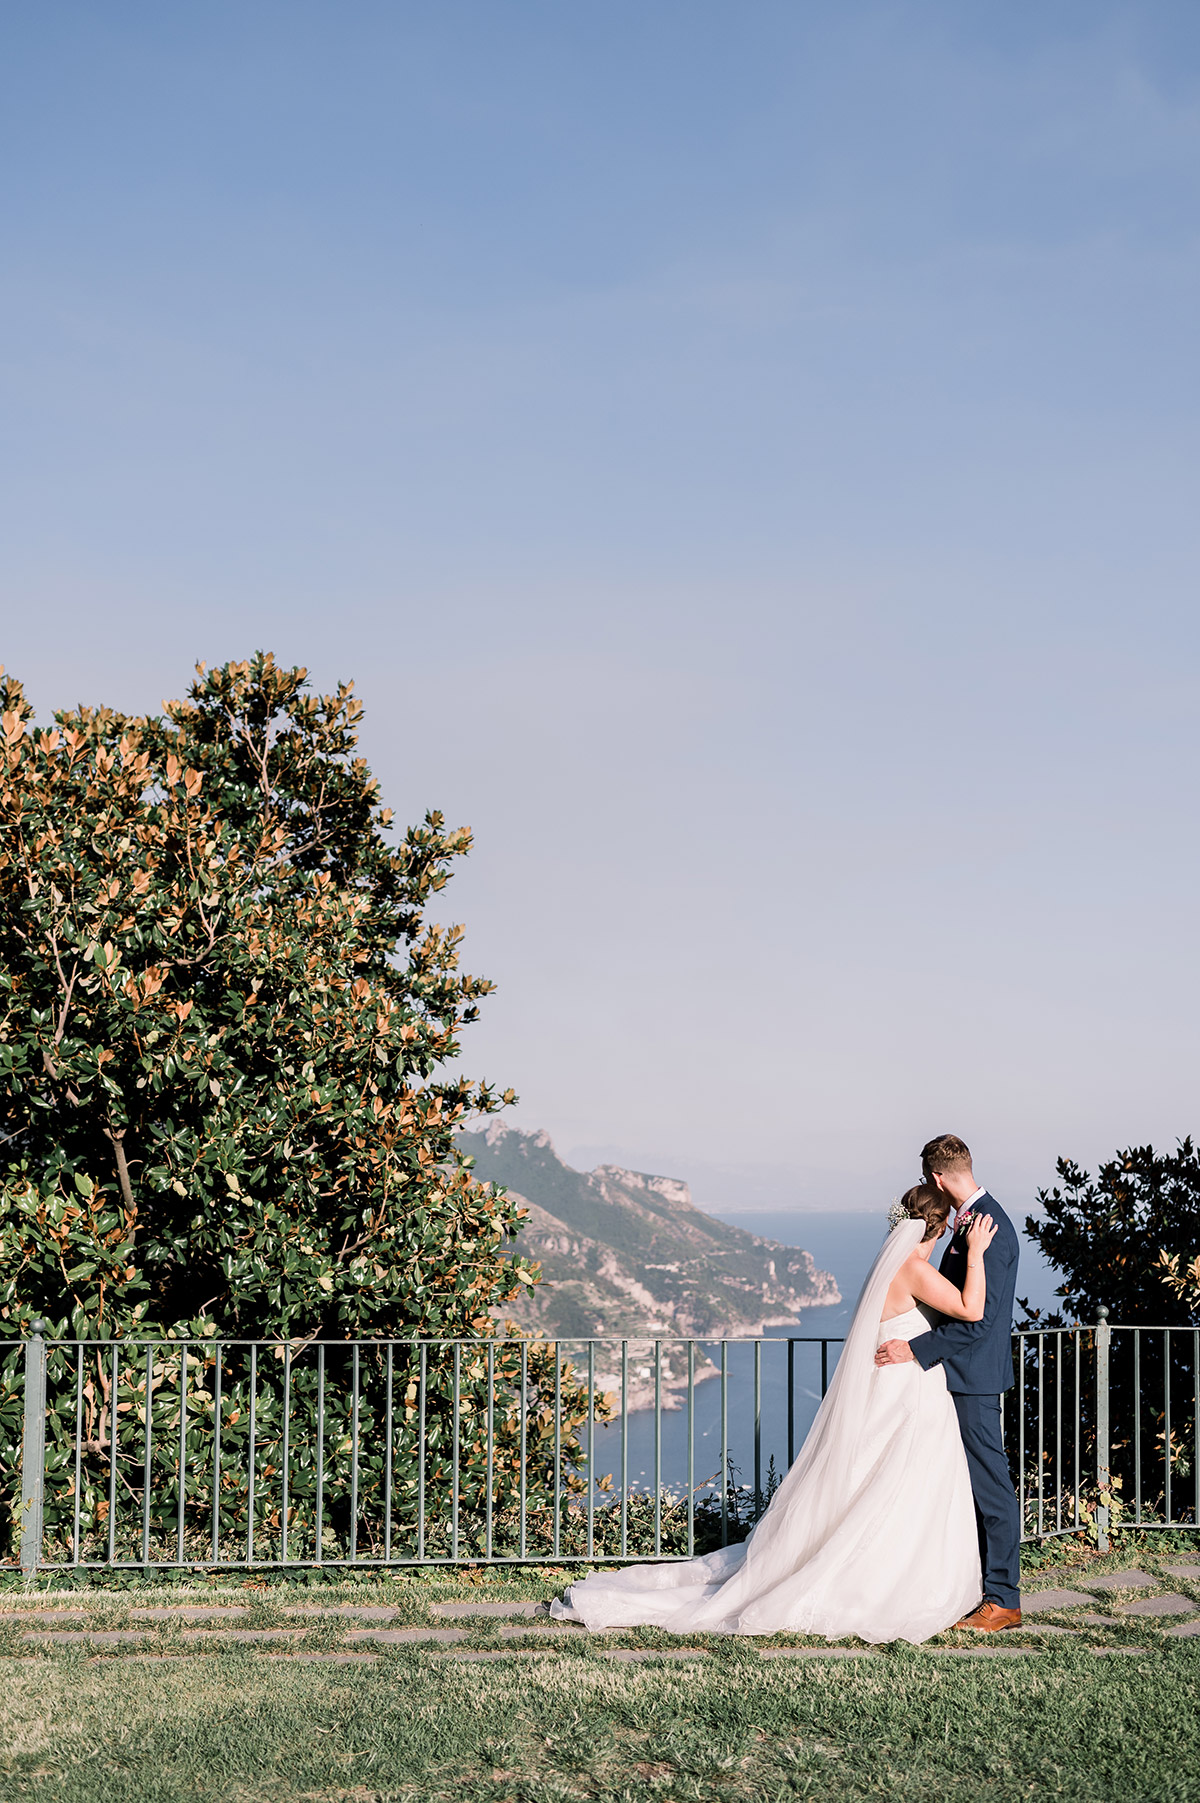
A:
207, 1454
1106, 1428
202, 1453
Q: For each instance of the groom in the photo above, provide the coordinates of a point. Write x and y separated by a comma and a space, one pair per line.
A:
976, 1357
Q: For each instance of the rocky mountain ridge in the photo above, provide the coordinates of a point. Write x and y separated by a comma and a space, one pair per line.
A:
627, 1254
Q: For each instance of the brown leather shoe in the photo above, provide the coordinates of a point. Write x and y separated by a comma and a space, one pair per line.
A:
990, 1618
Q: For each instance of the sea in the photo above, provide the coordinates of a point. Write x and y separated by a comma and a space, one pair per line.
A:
843, 1243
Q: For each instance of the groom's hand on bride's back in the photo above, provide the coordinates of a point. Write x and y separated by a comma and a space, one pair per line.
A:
894, 1352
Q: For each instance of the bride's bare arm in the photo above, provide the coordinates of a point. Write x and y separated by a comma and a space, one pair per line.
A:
938, 1292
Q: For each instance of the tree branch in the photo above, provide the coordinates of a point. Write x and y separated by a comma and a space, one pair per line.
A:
117, 1136
62, 1018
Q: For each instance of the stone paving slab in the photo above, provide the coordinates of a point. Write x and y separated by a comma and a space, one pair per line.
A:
547, 1629
1171, 1604
981, 1652
355, 1611
511, 1610
125, 1658
122, 1636
1035, 1602
1183, 1630
639, 1655
405, 1636
222, 1636
1101, 1621
1124, 1580
93, 1637
1044, 1627
817, 1652
184, 1612
145, 1659
1184, 1568
477, 1653
1102, 1650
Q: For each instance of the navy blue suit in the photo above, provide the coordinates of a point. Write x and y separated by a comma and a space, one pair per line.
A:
976, 1357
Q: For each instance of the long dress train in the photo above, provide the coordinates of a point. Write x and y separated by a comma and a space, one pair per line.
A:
872, 1532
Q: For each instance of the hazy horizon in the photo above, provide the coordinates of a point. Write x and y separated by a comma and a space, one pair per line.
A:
781, 1189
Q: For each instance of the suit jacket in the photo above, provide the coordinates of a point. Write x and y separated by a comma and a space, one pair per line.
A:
977, 1355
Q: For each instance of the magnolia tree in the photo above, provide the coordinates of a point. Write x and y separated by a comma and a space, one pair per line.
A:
1124, 1240
1182, 1282
1119, 1238
222, 1017
224, 1022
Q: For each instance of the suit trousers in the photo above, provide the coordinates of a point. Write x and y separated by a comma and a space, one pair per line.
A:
997, 1511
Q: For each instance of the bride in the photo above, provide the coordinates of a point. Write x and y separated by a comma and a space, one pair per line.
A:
872, 1532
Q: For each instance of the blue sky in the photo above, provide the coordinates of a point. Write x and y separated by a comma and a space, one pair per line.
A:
746, 457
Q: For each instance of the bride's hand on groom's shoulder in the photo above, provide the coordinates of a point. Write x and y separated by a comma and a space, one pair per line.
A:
980, 1233
894, 1352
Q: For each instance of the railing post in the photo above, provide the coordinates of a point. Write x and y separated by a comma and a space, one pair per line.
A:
33, 1448
1103, 1338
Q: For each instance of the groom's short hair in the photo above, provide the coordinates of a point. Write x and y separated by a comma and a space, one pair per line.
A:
944, 1154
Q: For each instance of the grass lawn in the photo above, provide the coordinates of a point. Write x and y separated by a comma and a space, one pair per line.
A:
562, 1724
163, 1721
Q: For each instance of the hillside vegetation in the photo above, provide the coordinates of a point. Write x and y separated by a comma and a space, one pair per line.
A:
627, 1254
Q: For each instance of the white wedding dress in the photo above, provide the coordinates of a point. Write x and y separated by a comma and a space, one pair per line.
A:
871, 1533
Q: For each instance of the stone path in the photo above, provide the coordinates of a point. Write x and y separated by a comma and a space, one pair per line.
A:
186, 1612
508, 1610
407, 1636
1038, 1601
1143, 1609
1171, 1604
526, 1629
1125, 1580
354, 1611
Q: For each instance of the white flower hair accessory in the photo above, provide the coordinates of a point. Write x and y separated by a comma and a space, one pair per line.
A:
896, 1213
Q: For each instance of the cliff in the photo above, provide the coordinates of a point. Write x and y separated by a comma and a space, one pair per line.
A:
629, 1255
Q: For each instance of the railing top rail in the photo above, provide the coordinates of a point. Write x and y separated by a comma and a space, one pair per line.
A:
1155, 1326
303, 1342
1113, 1327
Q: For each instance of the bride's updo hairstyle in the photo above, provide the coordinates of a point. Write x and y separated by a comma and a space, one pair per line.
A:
925, 1203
